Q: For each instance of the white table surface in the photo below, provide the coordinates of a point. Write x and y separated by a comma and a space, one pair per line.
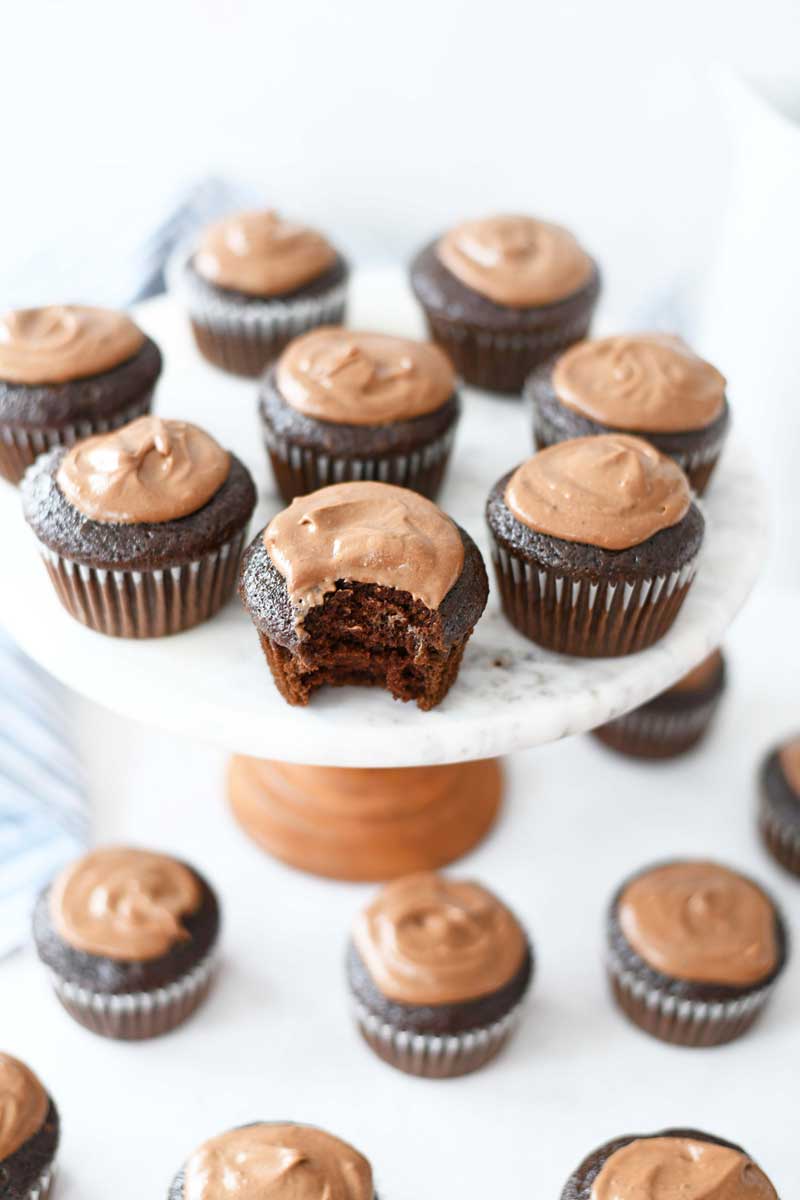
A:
275, 1041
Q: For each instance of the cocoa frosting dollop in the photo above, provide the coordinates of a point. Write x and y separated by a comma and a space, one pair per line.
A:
515, 260
789, 757
123, 903
368, 533
357, 378
23, 1105
261, 254
293, 1162
150, 470
613, 491
699, 678
678, 1168
700, 922
64, 341
650, 382
426, 939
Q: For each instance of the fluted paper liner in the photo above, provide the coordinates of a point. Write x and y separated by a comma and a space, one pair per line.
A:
652, 733
781, 839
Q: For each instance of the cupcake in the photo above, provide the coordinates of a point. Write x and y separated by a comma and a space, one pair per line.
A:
779, 809
279, 1159
675, 720
595, 545
253, 282
437, 970
675, 1163
503, 294
648, 384
29, 1132
67, 371
362, 823
340, 406
694, 950
366, 584
141, 529
129, 937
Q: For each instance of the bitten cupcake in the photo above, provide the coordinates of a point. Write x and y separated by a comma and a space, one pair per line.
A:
674, 1163
279, 1159
341, 405
141, 530
437, 970
29, 1132
364, 584
129, 937
675, 720
694, 950
649, 384
779, 807
503, 294
253, 282
595, 545
67, 371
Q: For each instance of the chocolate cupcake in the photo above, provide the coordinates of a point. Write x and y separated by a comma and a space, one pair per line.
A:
29, 1132
648, 384
141, 530
252, 283
503, 294
595, 545
129, 938
779, 808
285, 1160
437, 970
67, 371
365, 584
675, 720
676, 1162
694, 950
342, 406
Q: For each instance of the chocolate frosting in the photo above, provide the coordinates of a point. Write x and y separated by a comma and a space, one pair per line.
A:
426, 939
613, 491
260, 254
23, 1105
64, 341
297, 1162
354, 378
701, 676
365, 532
789, 757
700, 922
680, 1168
650, 382
150, 470
516, 261
122, 903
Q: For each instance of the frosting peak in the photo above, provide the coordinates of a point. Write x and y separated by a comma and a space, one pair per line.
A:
680, 1168
260, 254
23, 1105
611, 491
363, 378
700, 676
64, 341
150, 470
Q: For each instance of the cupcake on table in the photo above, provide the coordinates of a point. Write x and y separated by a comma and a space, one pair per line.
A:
29, 1133
779, 804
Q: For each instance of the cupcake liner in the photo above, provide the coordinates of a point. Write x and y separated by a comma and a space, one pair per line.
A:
781, 839
435, 1056
133, 1016
144, 604
41, 1189
650, 732
587, 618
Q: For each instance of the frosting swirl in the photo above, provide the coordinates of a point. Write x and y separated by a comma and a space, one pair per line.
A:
789, 757
23, 1105
64, 341
430, 940
680, 1168
611, 491
516, 261
363, 378
125, 904
368, 533
648, 382
260, 254
150, 470
296, 1162
700, 922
